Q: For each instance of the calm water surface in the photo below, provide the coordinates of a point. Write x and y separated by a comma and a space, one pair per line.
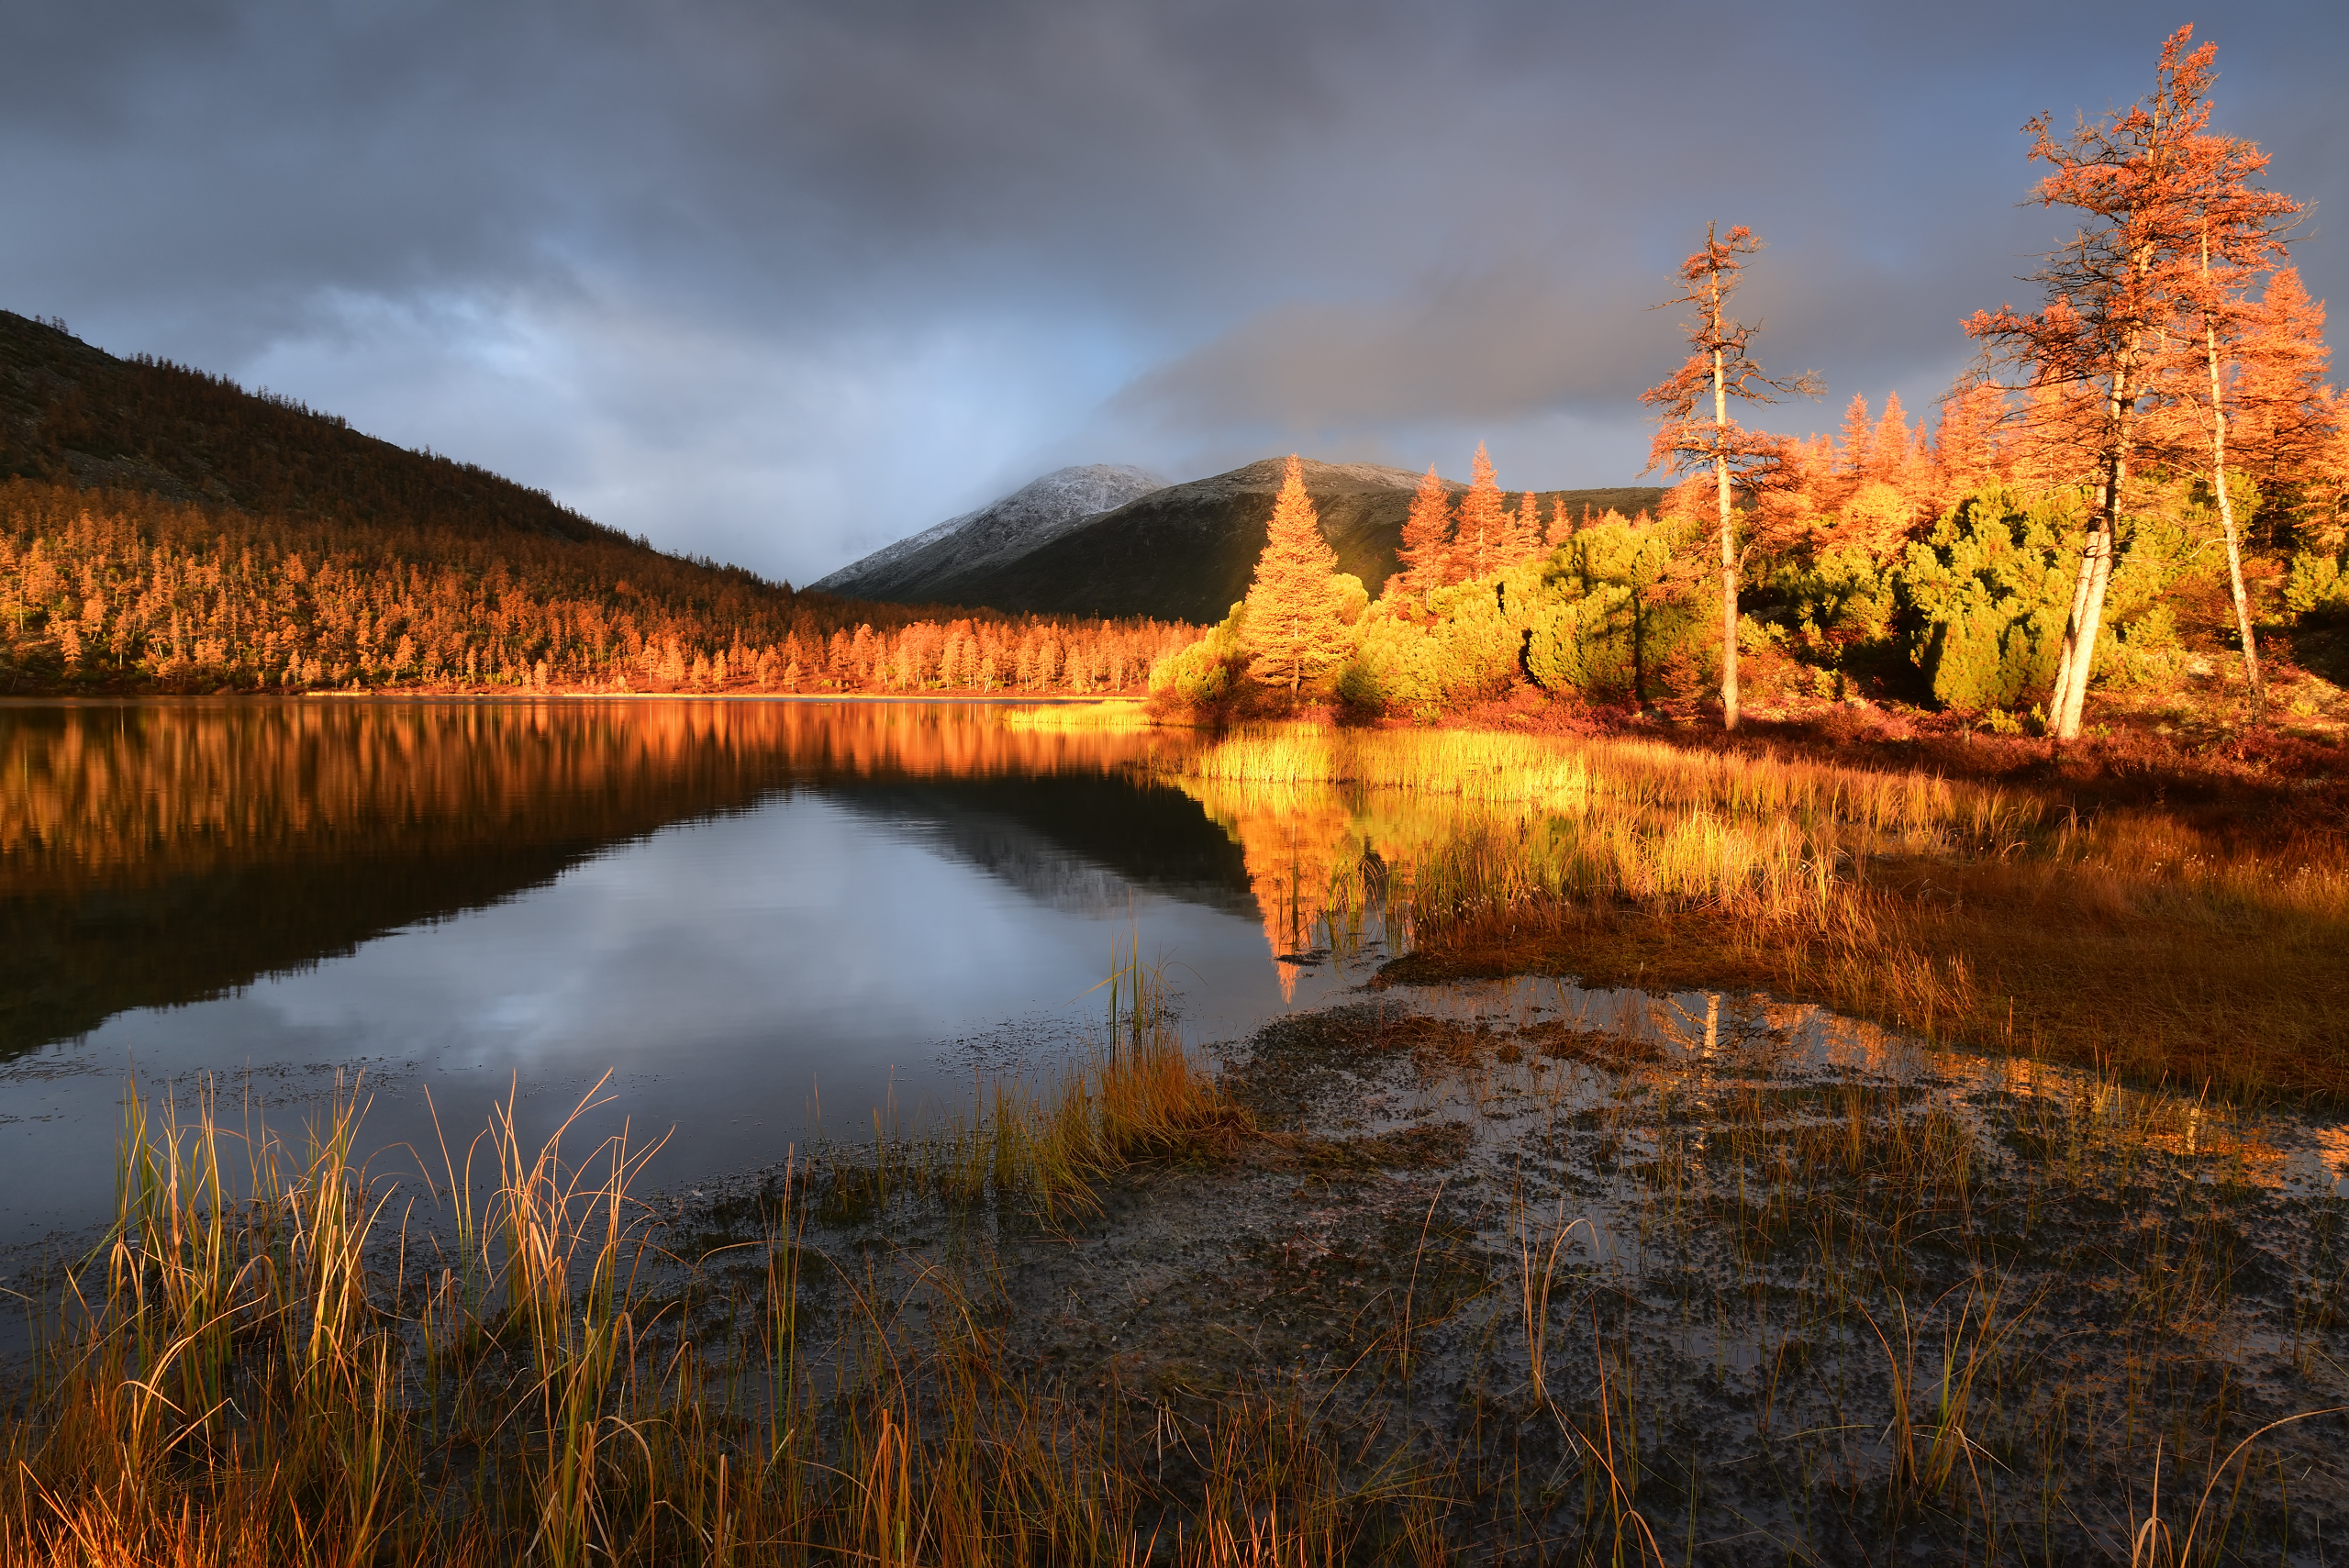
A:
762, 918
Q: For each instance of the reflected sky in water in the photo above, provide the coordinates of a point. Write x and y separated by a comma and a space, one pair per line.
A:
844, 909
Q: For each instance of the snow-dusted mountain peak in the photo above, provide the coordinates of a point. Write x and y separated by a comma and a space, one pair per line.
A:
1036, 513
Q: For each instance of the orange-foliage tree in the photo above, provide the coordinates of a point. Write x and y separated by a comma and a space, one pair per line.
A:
2222, 327
1480, 536
1427, 543
1521, 536
114, 590
1296, 604
2093, 352
1688, 440
2284, 424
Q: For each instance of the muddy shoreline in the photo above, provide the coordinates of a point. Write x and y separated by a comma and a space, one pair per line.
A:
1778, 1284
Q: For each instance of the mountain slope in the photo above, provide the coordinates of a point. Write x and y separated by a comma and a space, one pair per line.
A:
70, 414
1187, 552
1028, 519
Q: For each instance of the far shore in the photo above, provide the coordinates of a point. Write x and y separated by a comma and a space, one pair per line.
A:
417, 694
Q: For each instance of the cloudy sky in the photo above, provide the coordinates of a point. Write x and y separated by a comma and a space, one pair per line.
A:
780, 282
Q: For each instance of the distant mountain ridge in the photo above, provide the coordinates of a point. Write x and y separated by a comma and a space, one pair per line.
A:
1179, 552
1030, 517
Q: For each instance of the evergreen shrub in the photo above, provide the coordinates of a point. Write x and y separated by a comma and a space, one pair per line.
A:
1986, 596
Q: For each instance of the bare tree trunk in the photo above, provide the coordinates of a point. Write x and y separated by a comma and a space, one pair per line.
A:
2251, 675
2091, 621
1729, 545
2096, 570
2059, 698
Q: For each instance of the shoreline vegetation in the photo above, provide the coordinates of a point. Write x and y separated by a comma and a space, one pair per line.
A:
2134, 939
1699, 1279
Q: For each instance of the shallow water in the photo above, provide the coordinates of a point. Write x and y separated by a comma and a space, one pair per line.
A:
763, 920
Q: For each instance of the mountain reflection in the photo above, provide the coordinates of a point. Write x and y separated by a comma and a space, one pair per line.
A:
159, 854
1066, 841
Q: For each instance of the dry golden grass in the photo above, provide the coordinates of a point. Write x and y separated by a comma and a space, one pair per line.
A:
1115, 714
311, 1378
2137, 942
1568, 777
304, 1376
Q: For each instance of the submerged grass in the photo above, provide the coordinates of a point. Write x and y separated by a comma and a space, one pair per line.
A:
2134, 941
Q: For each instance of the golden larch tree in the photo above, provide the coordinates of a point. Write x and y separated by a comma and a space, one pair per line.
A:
1859, 436
2093, 353
1476, 540
1294, 625
1427, 541
1522, 535
1965, 442
1688, 440
2225, 332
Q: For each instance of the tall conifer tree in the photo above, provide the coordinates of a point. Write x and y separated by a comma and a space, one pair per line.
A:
2240, 233
1427, 541
1687, 441
1293, 625
1523, 535
2093, 351
1965, 442
1477, 541
1859, 435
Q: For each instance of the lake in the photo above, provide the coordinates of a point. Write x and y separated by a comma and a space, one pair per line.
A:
764, 919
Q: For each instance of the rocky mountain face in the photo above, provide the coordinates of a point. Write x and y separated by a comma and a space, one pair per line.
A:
1026, 519
1177, 552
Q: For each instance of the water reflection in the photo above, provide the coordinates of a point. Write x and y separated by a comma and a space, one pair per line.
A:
156, 855
758, 914
762, 917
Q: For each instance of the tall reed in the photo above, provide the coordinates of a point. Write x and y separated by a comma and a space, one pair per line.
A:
272, 1365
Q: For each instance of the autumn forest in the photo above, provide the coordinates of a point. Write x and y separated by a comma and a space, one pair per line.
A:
248, 543
1793, 1014
2146, 469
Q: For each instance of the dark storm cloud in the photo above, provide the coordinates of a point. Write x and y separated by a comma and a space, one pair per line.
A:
782, 282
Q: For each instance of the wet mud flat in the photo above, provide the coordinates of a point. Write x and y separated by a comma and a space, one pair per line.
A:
1529, 1272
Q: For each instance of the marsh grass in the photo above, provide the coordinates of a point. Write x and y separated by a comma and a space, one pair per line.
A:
1639, 1289
2136, 942
269, 1363
1743, 1302
1115, 714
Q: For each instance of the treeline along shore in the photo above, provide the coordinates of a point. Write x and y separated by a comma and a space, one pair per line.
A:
121, 592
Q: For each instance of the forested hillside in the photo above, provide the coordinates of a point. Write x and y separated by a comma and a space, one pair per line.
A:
70, 414
161, 529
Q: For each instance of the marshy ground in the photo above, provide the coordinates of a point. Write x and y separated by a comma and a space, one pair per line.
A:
1527, 1272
